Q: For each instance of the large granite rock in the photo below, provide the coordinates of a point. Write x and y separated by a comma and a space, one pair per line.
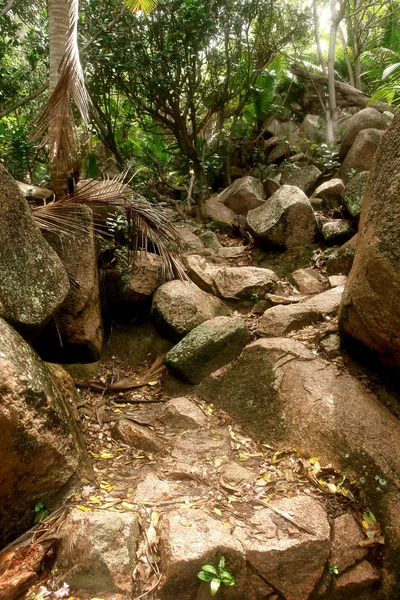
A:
220, 215
97, 564
207, 348
310, 281
367, 118
243, 195
79, 322
341, 259
234, 283
178, 307
337, 232
42, 450
286, 220
362, 153
33, 280
354, 193
244, 283
330, 190
292, 564
326, 303
190, 539
282, 319
370, 311
127, 292
281, 391
304, 178
313, 129
279, 153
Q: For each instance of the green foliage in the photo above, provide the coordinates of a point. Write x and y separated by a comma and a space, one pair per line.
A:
333, 569
325, 156
41, 512
16, 151
216, 576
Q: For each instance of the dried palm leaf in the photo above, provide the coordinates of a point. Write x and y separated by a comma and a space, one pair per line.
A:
56, 125
146, 224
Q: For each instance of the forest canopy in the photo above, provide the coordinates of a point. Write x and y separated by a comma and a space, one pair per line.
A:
180, 93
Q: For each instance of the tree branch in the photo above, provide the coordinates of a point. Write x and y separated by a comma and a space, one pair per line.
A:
23, 101
8, 7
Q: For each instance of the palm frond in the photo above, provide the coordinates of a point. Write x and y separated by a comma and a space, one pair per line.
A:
146, 223
57, 117
145, 6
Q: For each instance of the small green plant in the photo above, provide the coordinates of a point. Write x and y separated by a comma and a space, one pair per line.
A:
327, 157
333, 569
295, 149
216, 576
41, 512
353, 172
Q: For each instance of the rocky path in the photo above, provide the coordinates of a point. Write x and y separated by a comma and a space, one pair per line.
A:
179, 484
189, 486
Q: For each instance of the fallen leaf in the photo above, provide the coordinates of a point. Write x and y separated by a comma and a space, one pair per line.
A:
128, 506
106, 455
83, 508
94, 499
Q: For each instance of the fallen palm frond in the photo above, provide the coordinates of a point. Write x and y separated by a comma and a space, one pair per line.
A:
56, 125
146, 223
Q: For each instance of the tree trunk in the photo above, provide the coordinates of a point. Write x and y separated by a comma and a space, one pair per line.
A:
336, 17
346, 57
351, 95
328, 117
58, 31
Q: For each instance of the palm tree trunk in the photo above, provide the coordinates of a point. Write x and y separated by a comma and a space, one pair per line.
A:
58, 32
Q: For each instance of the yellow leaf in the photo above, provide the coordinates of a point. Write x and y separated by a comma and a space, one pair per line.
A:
184, 524
154, 518
332, 488
106, 505
313, 460
226, 524
108, 487
365, 525
217, 462
106, 455
83, 508
94, 454
153, 382
94, 500
128, 506
218, 512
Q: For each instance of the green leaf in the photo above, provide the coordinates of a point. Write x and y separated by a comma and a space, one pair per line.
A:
39, 506
209, 569
227, 578
205, 576
221, 565
389, 70
214, 587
